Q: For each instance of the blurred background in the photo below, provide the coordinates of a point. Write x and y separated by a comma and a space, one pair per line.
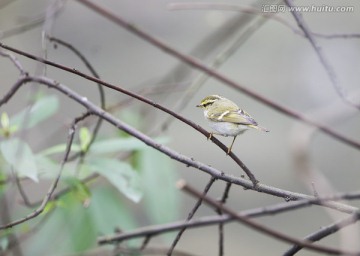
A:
246, 45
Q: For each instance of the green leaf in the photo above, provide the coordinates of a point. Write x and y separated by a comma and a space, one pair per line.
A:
2, 179
40, 111
81, 231
115, 145
5, 122
158, 182
19, 155
106, 208
57, 149
80, 190
120, 174
85, 138
4, 243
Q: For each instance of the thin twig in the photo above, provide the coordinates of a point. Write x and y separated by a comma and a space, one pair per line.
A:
191, 214
15, 61
145, 242
23, 194
221, 225
87, 64
261, 228
339, 36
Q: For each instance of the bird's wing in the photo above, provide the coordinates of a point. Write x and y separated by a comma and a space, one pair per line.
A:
239, 117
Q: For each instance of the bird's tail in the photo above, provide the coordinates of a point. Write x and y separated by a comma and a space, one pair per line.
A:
259, 128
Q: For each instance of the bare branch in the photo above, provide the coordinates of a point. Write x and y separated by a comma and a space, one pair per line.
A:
339, 36
325, 231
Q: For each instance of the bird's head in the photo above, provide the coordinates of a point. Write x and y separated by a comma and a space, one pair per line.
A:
208, 101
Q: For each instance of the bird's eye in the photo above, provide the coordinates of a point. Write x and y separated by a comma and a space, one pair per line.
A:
205, 104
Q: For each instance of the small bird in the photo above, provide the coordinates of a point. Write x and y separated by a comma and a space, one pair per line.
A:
226, 118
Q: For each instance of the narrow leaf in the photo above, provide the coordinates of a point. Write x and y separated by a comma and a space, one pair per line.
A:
57, 149
85, 138
5, 123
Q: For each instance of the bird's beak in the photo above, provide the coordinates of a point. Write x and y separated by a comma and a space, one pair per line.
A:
198, 106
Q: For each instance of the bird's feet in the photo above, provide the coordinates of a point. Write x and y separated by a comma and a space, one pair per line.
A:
228, 151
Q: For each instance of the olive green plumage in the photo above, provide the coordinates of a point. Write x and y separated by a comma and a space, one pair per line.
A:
226, 118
